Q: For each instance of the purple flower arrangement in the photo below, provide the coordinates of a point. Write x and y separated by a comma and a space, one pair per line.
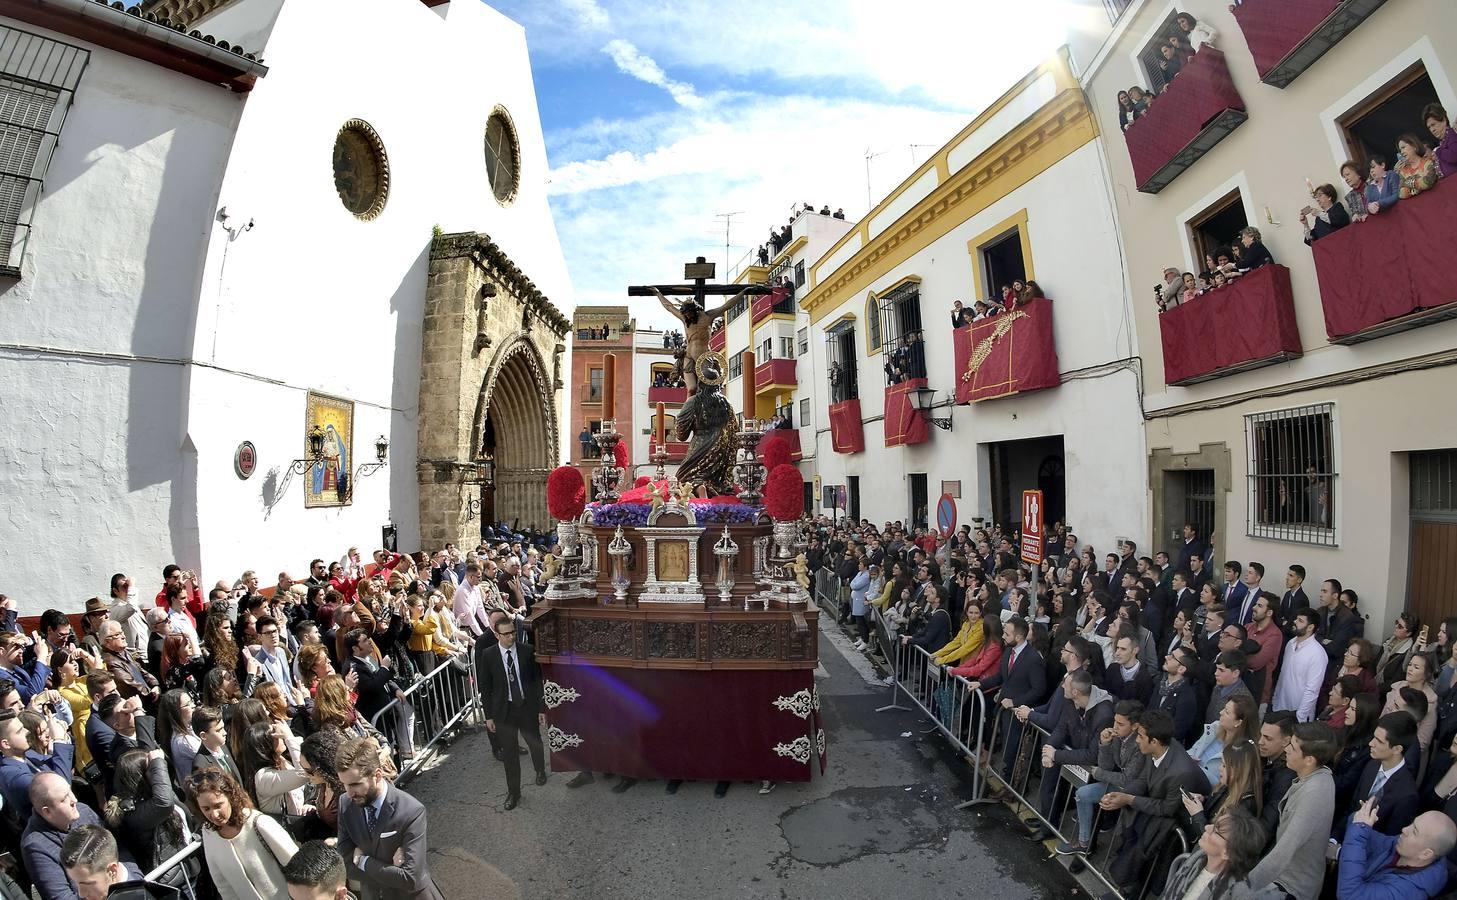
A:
630, 515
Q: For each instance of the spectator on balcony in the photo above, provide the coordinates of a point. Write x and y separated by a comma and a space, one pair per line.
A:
1384, 189
1127, 110
1171, 63
1416, 166
1195, 32
1181, 47
585, 439
1190, 287
825, 210
959, 314
1355, 199
839, 213
763, 255
1255, 254
1141, 100
1325, 217
1435, 118
1169, 294
1033, 292
979, 311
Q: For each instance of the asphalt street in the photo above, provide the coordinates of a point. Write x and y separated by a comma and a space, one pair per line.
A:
880, 823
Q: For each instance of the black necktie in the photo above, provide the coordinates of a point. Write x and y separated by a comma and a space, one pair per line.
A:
370, 814
513, 689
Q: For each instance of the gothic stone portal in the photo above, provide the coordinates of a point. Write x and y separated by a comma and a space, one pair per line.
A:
490, 382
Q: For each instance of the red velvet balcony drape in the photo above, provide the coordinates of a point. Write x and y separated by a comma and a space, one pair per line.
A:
1201, 92
903, 425
1389, 265
1272, 28
1006, 354
1252, 319
847, 433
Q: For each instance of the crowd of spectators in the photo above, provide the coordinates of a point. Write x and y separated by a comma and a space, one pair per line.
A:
781, 237
1013, 295
1296, 755
1174, 50
906, 358
1222, 267
1418, 168
673, 340
274, 713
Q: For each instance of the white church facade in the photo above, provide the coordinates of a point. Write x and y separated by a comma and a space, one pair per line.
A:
231, 221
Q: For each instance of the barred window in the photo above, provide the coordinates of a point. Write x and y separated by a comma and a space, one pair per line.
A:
843, 374
1292, 474
38, 78
900, 329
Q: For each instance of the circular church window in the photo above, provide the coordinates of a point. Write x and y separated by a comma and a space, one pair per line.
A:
361, 169
503, 156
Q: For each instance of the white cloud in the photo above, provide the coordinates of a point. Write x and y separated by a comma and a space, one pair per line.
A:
632, 61
588, 14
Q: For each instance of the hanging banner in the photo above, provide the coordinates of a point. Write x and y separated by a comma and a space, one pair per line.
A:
1009, 353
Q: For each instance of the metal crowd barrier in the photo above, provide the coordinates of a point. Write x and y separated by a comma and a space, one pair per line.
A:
1027, 761
175, 861
948, 700
442, 700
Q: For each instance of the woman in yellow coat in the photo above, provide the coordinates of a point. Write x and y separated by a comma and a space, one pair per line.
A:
967, 642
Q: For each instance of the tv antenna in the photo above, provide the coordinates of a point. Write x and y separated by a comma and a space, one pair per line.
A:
728, 219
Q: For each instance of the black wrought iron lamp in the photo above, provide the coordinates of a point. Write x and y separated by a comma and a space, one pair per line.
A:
345, 486
923, 400
485, 477
316, 453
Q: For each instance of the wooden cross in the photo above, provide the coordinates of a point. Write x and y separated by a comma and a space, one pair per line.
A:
699, 272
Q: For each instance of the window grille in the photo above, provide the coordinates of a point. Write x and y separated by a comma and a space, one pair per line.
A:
1293, 475
38, 78
900, 330
1434, 481
844, 382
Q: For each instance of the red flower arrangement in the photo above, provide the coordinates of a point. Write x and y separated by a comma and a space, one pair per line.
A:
619, 455
566, 493
642, 480
784, 493
773, 450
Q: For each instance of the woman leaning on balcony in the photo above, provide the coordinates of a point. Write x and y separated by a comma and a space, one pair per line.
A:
1416, 166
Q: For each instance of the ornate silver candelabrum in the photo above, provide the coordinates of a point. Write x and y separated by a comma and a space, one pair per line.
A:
749, 472
660, 456
619, 550
608, 476
726, 551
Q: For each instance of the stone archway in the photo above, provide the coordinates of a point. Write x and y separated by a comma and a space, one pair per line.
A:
510, 424
485, 385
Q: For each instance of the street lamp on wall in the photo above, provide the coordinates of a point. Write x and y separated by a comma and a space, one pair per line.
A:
923, 400
485, 477
345, 486
316, 453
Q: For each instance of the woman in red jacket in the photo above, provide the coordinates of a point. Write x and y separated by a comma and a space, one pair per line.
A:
987, 657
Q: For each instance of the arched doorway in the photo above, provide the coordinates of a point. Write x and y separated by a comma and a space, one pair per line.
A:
516, 426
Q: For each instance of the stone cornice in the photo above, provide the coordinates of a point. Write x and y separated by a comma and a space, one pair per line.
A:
1054, 131
499, 267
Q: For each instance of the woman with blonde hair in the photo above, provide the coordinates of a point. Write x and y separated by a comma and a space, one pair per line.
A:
334, 708
271, 696
1238, 722
1240, 785
246, 850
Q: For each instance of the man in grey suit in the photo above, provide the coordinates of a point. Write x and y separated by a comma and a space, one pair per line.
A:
381, 828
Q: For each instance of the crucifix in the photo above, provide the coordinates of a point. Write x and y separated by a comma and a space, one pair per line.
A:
697, 319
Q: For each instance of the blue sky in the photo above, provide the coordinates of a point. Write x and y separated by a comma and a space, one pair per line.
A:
659, 115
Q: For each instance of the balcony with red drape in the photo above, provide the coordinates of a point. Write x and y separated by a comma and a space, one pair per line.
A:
1193, 114
1391, 272
1286, 37
903, 425
1241, 326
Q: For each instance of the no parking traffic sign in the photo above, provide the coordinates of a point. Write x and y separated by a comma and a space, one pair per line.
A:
946, 514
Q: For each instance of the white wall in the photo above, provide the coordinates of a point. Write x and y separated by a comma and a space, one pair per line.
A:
126, 261
93, 334
1074, 252
313, 298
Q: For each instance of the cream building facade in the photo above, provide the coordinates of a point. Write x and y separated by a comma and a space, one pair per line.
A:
1319, 443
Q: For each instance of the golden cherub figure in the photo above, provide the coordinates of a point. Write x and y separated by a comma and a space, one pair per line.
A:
658, 495
801, 571
686, 492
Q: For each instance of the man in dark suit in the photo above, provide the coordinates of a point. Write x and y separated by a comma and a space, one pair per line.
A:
1198, 575
381, 828
1294, 599
1148, 817
1388, 778
1020, 680
133, 730
1232, 592
1337, 625
1192, 547
1184, 597
511, 690
376, 687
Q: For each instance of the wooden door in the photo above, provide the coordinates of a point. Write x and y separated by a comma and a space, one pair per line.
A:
1432, 587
